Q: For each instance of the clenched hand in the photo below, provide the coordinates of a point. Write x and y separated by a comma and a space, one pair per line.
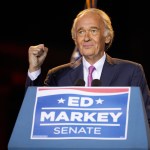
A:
37, 55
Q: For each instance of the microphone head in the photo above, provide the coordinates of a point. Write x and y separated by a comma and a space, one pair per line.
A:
80, 82
96, 82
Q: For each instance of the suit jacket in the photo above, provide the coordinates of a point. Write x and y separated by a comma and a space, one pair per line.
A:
115, 72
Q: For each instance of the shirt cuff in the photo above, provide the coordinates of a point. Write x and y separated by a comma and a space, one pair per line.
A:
34, 75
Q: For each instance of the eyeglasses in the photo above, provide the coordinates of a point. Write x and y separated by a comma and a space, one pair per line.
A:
91, 31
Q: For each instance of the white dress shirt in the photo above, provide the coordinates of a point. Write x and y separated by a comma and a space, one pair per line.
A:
98, 69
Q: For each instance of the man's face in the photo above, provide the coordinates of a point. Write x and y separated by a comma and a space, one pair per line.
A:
90, 36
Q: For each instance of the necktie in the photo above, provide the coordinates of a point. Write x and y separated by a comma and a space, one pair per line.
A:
90, 78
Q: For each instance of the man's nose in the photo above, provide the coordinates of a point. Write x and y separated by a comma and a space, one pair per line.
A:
87, 36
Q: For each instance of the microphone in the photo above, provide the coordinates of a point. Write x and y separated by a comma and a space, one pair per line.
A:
80, 82
96, 82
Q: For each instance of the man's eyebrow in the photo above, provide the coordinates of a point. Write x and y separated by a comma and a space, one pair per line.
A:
81, 28
92, 27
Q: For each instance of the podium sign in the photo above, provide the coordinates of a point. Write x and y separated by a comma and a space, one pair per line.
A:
76, 113
60, 118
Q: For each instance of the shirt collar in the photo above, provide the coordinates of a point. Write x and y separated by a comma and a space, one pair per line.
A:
97, 65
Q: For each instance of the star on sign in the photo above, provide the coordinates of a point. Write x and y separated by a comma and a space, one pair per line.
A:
61, 100
99, 101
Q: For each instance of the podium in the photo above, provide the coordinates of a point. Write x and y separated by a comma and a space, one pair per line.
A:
126, 122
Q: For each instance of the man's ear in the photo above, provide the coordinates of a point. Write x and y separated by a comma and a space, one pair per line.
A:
107, 39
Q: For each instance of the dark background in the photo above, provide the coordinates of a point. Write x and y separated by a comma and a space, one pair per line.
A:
24, 23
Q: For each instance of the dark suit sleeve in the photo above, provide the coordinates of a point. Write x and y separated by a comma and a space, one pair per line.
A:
142, 83
52, 77
55, 74
36, 82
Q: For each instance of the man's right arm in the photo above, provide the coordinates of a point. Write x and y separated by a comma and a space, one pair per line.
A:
36, 56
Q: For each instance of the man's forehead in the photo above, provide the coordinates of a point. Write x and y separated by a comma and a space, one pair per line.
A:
89, 19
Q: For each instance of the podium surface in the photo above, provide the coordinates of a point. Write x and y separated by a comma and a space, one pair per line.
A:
136, 130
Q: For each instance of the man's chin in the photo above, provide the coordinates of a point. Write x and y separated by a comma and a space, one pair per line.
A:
88, 55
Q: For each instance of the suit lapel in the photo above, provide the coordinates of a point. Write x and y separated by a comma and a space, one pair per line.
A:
77, 73
108, 71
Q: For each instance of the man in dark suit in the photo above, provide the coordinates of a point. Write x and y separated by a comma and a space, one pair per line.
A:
93, 34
